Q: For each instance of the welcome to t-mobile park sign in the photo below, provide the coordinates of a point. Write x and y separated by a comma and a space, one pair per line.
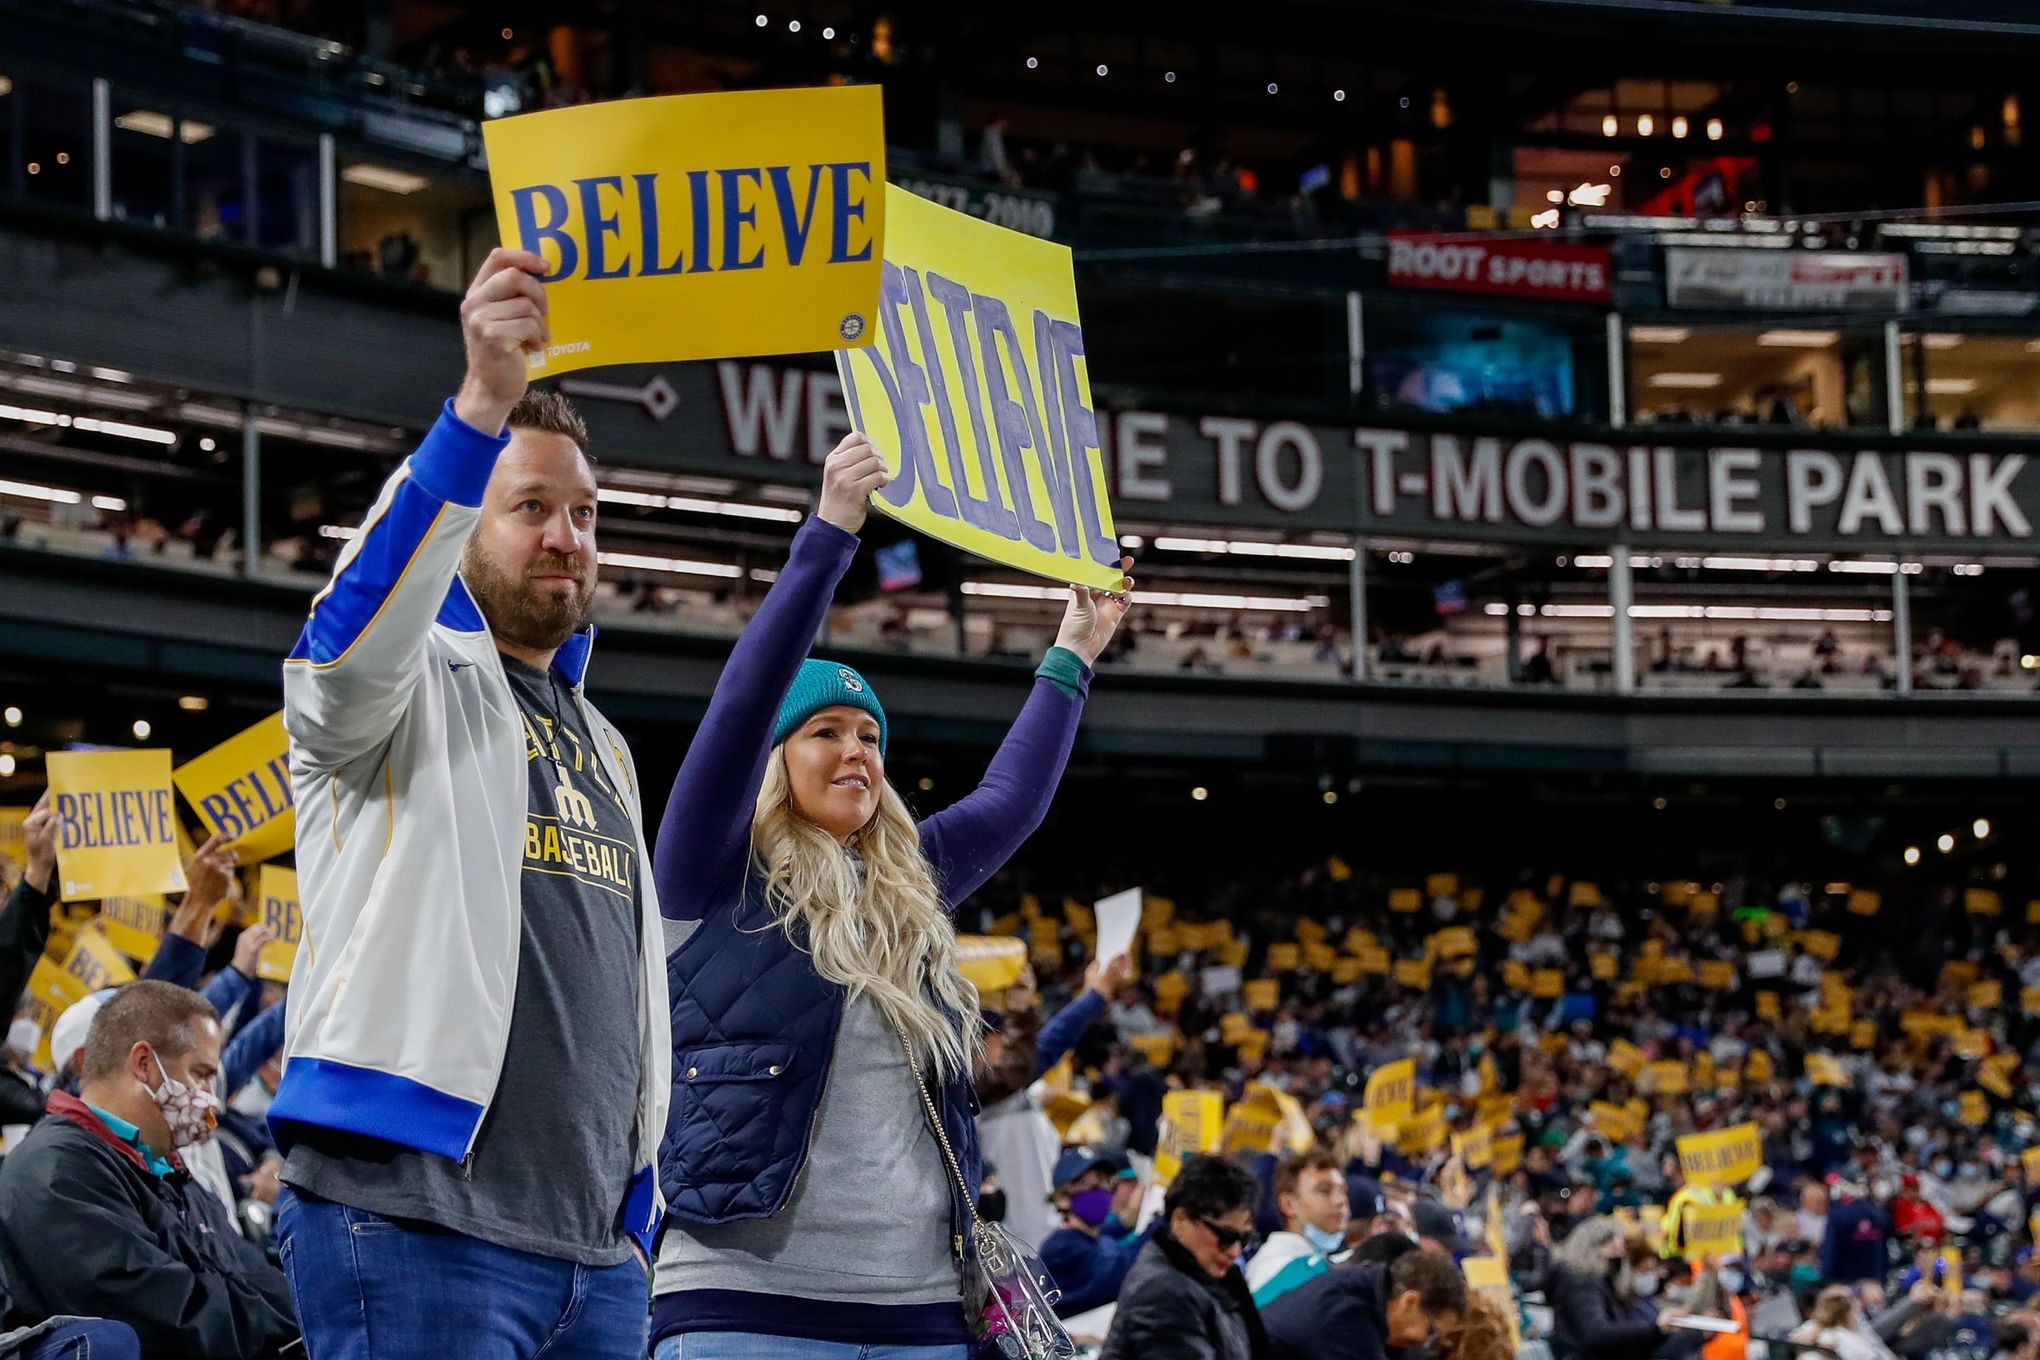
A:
1686, 486
1701, 495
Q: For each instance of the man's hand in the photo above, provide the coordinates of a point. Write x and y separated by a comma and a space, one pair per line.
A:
248, 948
262, 1183
1107, 976
1092, 617
502, 323
853, 471
40, 831
1669, 1316
208, 875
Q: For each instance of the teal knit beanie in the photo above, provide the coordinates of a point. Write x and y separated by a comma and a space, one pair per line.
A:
823, 684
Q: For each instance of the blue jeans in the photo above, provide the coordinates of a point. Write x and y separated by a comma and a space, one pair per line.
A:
86, 1339
370, 1288
750, 1346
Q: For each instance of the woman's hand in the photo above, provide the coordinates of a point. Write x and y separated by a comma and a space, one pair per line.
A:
853, 471
1092, 617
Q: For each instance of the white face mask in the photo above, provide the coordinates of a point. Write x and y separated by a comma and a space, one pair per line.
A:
192, 1114
1646, 1285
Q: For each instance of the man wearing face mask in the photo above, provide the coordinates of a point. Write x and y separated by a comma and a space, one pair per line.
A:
1090, 1254
1310, 1192
100, 1218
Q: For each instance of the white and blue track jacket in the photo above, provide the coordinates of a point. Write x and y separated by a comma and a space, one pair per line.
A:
407, 762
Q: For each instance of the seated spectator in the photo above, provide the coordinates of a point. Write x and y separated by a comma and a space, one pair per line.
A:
98, 1216
1480, 1333
1366, 1312
1091, 1253
1310, 1191
1600, 1301
1184, 1299
1837, 1326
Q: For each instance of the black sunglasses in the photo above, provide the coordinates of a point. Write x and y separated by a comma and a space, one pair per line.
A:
1228, 1237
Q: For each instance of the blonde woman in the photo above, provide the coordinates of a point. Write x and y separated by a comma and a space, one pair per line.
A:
815, 1210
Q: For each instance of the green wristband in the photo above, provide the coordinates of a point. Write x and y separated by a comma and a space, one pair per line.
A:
1064, 668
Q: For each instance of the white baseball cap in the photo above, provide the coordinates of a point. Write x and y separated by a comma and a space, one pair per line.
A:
67, 1036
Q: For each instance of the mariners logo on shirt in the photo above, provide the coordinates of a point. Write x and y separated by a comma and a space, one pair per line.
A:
580, 827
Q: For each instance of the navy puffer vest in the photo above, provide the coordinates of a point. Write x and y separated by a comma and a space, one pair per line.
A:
754, 1029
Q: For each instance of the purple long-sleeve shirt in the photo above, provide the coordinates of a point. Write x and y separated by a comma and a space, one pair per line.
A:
704, 844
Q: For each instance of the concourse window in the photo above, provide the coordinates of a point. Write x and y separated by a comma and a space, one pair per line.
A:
286, 216
1788, 373
215, 190
147, 141
1743, 620
1462, 614
52, 127
405, 223
1973, 382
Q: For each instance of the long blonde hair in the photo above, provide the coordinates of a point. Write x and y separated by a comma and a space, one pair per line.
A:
875, 923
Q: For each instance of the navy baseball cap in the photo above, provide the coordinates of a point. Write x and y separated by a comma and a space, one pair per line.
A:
1074, 1162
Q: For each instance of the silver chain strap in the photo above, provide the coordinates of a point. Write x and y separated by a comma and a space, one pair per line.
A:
941, 1136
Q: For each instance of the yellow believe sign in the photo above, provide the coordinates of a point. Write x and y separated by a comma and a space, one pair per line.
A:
280, 912
978, 393
242, 790
1192, 1122
1727, 1157
116, 824
698, 226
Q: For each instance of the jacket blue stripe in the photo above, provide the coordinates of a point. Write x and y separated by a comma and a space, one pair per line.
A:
360, 589
335, 1095
451, 467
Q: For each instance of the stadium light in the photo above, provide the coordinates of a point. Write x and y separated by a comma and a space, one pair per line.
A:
1610, 126
1714, 129
12, 715
1912, 854
1679, 126
193, 703
734, 509
1199, 794
1331, 796
6, 763
141, 729
1793, 339
1981, 826
1645, 125
1946, 843
370, 176
676, 565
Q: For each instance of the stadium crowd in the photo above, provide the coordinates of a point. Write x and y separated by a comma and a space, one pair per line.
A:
1585, 1031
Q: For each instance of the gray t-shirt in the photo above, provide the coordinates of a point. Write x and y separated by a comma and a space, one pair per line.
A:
868, 1221
552, 1165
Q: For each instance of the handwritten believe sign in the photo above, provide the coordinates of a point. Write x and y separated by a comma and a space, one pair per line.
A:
978, 393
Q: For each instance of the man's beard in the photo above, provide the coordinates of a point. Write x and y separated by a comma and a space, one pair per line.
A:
520, 613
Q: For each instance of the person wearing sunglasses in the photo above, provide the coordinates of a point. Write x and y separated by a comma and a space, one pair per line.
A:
1185, 1297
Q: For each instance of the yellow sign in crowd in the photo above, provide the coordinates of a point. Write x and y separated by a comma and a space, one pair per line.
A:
122, 845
